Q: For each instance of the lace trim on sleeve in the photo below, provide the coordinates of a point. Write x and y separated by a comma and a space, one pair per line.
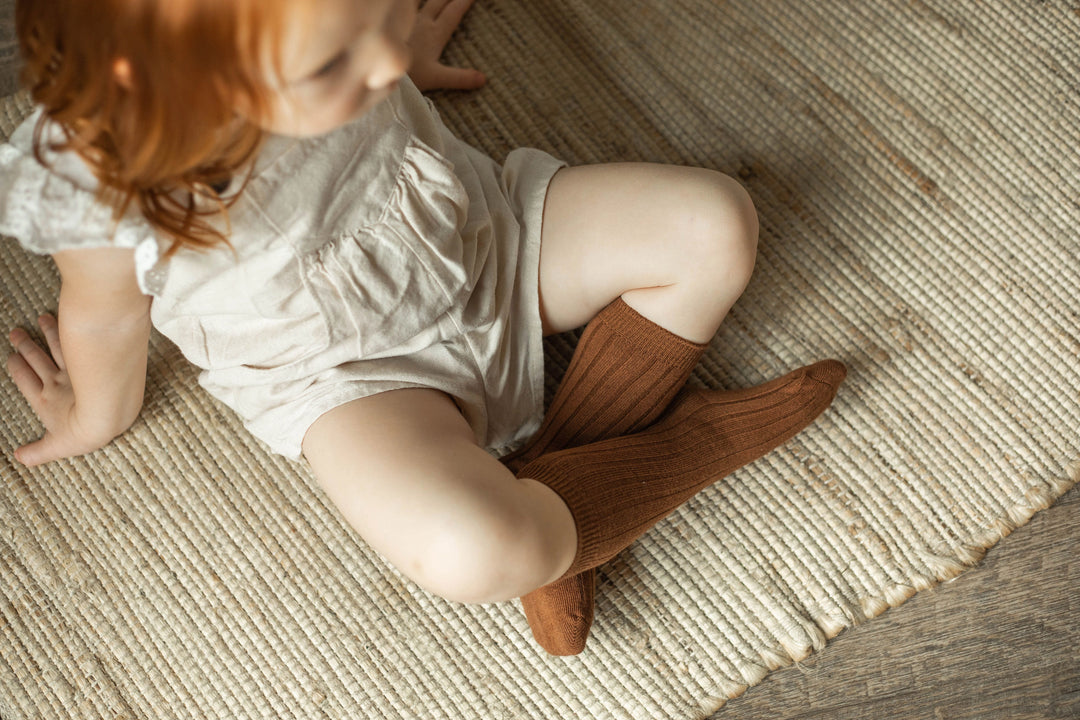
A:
52, 209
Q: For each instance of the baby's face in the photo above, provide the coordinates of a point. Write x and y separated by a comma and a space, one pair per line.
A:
339, 59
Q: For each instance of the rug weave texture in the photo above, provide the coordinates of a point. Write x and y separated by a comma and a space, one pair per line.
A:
915, 167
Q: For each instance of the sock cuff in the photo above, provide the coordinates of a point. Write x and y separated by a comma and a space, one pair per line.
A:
629, 324
555, 470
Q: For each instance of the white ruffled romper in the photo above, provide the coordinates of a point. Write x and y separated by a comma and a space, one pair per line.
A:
387, 254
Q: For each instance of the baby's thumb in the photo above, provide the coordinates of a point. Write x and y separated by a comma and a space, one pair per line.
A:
453, 78
38, 452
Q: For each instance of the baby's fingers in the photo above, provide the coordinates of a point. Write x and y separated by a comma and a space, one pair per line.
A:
432, 8
450, 13
51, 329
32, 353
444, 77
26, 380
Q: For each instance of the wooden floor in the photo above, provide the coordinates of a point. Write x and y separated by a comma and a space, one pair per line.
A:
1000, 642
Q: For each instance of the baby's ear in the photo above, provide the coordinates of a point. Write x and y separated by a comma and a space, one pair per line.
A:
121, 70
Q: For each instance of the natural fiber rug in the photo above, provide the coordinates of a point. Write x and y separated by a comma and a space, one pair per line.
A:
916, 169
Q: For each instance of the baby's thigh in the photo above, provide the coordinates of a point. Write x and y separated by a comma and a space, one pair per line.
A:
610, 229
404, 469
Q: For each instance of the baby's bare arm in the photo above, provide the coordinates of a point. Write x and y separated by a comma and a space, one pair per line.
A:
89, 387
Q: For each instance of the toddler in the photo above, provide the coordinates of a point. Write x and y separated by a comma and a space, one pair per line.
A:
263, 182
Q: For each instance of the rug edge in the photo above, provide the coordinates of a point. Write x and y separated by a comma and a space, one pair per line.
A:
968, 555
965, 555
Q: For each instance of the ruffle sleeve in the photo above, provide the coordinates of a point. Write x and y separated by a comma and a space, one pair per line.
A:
52, 208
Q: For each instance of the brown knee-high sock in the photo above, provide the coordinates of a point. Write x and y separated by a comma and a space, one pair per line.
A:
617, 489
625, 371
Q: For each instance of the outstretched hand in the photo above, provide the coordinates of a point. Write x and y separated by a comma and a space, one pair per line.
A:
436, 22
43, 380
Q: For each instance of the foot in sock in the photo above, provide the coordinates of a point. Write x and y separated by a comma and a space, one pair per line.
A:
624, 373
617, 489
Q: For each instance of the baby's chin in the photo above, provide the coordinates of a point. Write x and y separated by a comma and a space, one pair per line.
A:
372, 99
313, 124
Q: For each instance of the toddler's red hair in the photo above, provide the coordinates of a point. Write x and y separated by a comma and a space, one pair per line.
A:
147, 92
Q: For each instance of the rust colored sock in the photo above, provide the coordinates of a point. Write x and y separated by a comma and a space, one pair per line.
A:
617, 489
625, 371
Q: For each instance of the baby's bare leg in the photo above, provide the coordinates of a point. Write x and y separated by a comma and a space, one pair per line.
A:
405, 471
678, 244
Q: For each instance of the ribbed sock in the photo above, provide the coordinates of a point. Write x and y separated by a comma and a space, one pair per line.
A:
624, 373
618, 488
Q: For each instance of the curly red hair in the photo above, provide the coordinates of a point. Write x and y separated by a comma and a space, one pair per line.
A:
147, 92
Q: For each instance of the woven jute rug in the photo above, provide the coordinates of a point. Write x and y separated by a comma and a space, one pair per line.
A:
916, 170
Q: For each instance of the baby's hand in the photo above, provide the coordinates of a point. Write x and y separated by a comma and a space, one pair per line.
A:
435, 23
44, 382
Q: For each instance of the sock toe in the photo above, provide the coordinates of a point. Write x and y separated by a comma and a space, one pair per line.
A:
561, 614
828, 372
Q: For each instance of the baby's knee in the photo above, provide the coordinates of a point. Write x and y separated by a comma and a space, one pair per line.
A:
725, 224
488, 556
